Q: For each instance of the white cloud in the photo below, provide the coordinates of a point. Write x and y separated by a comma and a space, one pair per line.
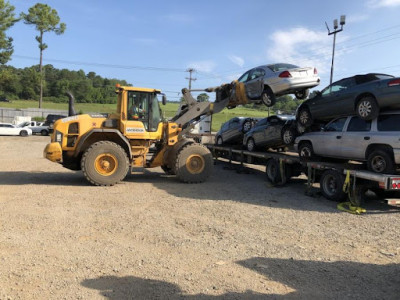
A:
303, 47
383, 3
237, 60
357, 18
206, 66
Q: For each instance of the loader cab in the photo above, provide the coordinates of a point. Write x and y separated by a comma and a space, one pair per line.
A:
140, 112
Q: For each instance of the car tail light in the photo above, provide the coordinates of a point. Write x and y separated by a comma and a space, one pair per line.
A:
315, 71
285, 74
394, 82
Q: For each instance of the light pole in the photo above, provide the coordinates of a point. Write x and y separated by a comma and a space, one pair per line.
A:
336, 30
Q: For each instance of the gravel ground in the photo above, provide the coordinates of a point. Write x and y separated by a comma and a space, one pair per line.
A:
152, 237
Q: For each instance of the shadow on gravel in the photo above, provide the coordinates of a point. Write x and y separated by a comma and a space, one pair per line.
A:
130, 287
42, 178
329, 280
308, 279
249, 186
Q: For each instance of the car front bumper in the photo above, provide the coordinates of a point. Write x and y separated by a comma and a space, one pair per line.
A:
53, 152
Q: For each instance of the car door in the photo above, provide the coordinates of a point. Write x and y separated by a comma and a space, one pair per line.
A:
254, 85
328, 142
272, 133
258, 132
334, 100
356, 138
229, 134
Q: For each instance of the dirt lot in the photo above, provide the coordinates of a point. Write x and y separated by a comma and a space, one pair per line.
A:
152, 237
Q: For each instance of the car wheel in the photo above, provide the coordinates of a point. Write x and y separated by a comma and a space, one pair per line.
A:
250, 145
304, 117
23, 133
267, 97
44, 132
246, 126
306, 150
288, 135
301, 95
381, 161
367, 108
272, 171
219, 141
331, 184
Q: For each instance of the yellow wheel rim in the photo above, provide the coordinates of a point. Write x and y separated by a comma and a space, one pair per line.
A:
106, 164
195, 163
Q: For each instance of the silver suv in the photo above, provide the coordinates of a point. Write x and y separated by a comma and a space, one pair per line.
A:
377, 142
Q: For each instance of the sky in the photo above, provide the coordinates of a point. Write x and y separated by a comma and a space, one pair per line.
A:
153, 43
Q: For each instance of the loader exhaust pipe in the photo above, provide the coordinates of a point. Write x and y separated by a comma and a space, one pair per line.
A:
71, 104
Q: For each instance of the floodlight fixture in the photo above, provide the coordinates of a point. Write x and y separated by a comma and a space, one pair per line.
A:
342, 20
335, 24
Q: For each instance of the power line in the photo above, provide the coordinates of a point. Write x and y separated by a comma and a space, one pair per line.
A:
190, 70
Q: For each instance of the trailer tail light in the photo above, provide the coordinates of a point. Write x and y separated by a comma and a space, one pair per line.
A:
395, 184
285, 74
394, 82
315, 71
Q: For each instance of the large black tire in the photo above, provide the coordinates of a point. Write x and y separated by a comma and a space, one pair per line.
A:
44, 132
267, 97
288, 135
105, 163
301, 95
367, 108
306, 150
194, 163
273, 172
23, 133
331, 184
304, 117
250, 145
380, 160
168, 170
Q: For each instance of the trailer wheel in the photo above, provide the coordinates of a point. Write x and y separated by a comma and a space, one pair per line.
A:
105, 163
331, 183
194, 163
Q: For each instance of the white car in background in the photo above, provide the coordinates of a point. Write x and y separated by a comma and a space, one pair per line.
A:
10, 129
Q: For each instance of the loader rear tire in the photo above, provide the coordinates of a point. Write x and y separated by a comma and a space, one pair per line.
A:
105, 163
194, 163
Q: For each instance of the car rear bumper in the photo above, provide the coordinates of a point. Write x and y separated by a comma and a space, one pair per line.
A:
289, 85
53, 152
396, 153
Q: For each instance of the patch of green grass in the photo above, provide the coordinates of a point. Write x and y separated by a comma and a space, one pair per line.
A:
169, 110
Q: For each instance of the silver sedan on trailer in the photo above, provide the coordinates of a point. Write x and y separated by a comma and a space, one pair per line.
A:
265, 83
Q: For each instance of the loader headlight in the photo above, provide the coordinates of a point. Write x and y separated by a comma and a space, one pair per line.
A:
58, 136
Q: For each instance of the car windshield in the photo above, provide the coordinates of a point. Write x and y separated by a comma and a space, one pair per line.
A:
282, 67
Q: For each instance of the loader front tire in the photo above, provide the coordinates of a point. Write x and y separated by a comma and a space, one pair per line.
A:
105, 163
194, 163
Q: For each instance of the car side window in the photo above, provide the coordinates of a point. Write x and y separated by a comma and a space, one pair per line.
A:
244, 77
257, 73
234, 123
225, 127
339, 86
389, 122
357, 124
336, 125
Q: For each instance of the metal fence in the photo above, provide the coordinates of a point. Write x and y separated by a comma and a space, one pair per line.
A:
7, 115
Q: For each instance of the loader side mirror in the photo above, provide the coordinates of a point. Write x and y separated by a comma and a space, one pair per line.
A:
164, 99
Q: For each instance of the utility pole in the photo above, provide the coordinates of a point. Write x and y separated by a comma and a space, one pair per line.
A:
190, 70
336, 30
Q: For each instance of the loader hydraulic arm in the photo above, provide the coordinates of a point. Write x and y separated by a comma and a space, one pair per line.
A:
194, 110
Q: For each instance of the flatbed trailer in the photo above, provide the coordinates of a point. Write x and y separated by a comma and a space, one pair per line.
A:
338, 180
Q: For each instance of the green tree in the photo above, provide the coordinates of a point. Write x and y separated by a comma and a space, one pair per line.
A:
7, 20
203, 97
45, 19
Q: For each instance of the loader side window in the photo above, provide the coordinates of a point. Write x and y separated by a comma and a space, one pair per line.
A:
155, 113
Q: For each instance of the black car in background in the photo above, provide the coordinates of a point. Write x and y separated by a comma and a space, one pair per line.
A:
272, 132
51, 119
4, 99
232, 131
363, 95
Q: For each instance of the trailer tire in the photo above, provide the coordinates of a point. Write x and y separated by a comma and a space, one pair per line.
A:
331, 184
194, 163
273, 172
105, 163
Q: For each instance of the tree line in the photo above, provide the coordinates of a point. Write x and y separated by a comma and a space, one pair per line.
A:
23, 84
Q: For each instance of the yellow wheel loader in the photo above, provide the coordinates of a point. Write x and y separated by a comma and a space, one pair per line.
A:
104, 148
